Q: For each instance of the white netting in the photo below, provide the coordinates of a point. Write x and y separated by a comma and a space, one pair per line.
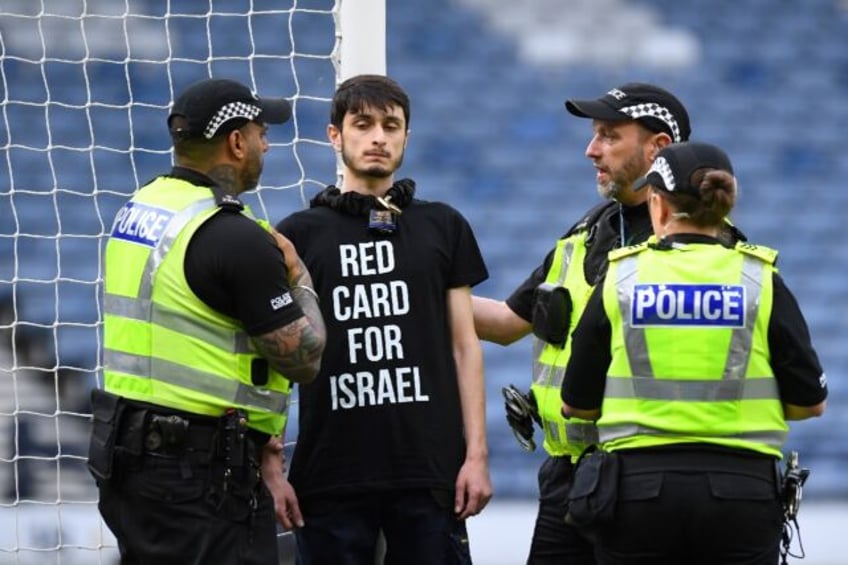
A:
86, 86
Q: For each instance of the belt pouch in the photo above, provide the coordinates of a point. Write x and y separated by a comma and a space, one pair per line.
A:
594, 493
106, 415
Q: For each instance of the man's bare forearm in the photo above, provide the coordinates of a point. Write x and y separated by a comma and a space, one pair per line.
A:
296, 348
496, 322
303, 292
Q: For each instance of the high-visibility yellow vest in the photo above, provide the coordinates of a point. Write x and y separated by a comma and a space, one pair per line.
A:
690, 353
572, 436
162, 344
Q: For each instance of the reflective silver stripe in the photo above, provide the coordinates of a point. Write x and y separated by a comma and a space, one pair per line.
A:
222, 388
548, 375
553, 430
739, 352
702, 390
575, 433
143, 310
634, 338
583, 432
177, 223
567, 255
544, 374
774, 439
275, 402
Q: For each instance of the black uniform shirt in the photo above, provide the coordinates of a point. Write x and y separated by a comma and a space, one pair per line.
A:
234, 266
604, 235
793, 359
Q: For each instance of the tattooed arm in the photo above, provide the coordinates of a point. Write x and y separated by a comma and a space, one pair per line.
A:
295, 349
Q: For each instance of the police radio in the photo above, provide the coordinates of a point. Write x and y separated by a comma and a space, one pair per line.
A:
792, 486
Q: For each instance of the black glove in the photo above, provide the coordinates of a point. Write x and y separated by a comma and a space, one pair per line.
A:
521, 412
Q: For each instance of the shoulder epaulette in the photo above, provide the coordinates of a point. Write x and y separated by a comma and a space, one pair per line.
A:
225, 200
616, 254
766, 254
728, 232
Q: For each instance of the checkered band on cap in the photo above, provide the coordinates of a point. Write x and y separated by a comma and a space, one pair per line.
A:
228, 112
663, 169
654, 110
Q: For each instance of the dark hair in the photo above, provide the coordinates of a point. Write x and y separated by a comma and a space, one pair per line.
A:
717, 196
361, 91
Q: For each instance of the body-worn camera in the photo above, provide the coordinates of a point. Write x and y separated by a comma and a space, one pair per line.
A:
551, 313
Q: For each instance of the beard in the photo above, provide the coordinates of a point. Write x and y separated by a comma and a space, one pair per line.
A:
609, 190
623, 179
252, 171
376, 172
372, 171
251, 175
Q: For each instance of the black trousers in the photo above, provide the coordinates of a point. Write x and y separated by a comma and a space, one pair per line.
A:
419, 527
554, 542
161, 517
694, 507
176, 496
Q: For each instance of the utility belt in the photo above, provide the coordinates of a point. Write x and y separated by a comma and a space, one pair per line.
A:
126, 429
596, 487
698, 459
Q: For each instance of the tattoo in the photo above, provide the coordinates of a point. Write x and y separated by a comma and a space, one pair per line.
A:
295, 349
226, 177
302, 278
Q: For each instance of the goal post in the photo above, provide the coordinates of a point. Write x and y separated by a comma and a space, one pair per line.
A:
85, 89
362, 32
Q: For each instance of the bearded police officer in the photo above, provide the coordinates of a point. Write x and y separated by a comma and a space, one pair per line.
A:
630, 124
206, 323
691, 356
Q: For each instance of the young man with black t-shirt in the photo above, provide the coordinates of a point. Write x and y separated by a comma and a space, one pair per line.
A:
392, 434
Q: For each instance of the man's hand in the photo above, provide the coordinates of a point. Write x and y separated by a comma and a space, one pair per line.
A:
521, 412
294, 265
473, 488
286, 506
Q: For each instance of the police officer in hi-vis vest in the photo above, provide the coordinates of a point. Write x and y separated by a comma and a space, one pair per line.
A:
630, 124
208, 316
692, 355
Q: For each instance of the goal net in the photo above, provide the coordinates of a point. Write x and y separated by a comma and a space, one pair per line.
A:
86, 86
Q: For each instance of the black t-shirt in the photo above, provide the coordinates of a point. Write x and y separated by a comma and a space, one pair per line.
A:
608, 224
234, 266
384, 411
794, 361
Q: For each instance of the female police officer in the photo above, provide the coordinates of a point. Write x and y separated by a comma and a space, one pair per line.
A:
691, 356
